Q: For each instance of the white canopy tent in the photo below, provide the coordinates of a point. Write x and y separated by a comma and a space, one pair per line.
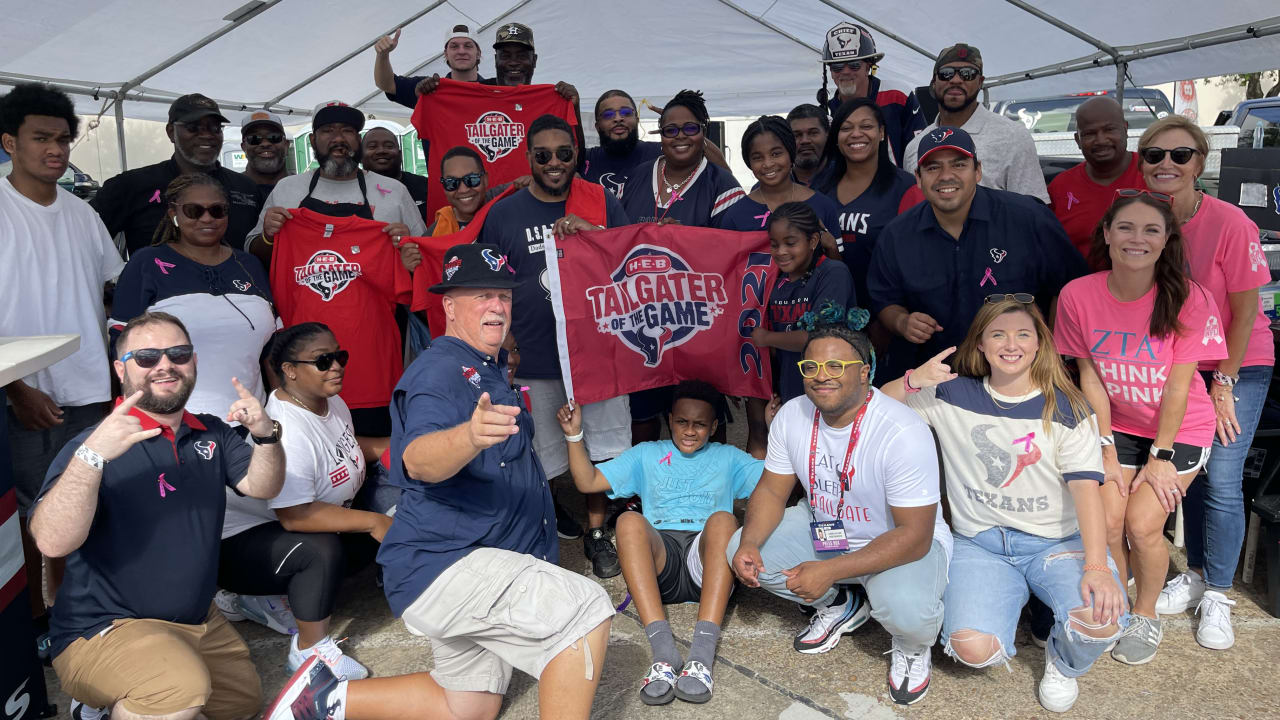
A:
132, 57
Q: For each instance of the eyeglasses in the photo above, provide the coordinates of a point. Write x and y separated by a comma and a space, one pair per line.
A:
854, 65
1024, 298
273, 138
1135, 192
834, 368
471, 180
325, 361
1180, 155
195, 211
966, 74
150, 357
689, 128
542, 157
624, 112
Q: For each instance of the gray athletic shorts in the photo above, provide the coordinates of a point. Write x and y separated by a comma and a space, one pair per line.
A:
606, 425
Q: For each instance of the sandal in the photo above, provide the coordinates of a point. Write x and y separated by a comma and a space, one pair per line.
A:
659, 672
699, 672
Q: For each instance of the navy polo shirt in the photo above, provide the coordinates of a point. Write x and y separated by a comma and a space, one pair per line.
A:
1010, 243
152, 549
499, 500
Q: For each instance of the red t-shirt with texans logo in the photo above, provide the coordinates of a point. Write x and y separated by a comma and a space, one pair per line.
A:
345, 273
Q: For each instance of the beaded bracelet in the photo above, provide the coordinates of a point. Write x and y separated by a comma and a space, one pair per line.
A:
1099, 568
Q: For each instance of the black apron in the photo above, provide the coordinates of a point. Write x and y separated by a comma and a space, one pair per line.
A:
341, 209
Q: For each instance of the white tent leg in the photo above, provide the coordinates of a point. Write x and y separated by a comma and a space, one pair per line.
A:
1122, 69
124, 160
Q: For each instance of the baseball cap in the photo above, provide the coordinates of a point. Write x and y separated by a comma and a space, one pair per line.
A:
460, 31
475, 265
514, 34
847, 41
193, 107
261, 117
945, 138
332, 111
959, 52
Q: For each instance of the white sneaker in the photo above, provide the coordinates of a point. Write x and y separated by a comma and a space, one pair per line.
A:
269, 610
313, 693
1215, 630
1057, 691
229, 604
909, 672
344, 666
80, 711
1180, 593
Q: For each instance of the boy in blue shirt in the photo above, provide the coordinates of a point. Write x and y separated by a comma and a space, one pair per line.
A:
675, 551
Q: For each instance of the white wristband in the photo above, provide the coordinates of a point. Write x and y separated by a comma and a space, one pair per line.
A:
574, 438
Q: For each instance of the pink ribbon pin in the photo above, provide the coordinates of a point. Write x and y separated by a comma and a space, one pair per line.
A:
164, 266
164, 485
1026, 441
988, 276
155, 197
666, 459
762, 218
383, 190
1071, 199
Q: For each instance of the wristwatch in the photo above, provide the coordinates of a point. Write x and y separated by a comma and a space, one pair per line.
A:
1162, 453
90, 458
1224, 379
1107, 440
271, 439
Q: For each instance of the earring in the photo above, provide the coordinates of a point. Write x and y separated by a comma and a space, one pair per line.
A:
293, 377
175, 221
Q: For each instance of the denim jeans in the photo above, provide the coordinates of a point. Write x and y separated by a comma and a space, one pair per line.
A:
1213, 511
992, 575
905, 600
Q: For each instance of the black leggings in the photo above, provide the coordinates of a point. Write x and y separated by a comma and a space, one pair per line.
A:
268, 560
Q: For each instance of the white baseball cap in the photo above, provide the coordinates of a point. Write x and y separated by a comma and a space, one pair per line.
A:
460, 31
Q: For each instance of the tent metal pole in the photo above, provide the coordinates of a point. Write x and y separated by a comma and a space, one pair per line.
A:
142, 95
331, 66
1121, 69
440, 54
882, 30
1065, 27
124, 159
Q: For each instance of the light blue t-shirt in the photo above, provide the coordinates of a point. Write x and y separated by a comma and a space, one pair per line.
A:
677, 491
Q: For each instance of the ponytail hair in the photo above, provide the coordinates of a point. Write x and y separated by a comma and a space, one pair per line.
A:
1172, 287
166, 232
285, 343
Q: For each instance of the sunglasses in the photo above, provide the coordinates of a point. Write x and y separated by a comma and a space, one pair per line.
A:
1180, 155
542, 157
834, 368
326, 361
1024, 298
150, 357
854, 65
1135, 192
966, 74
195, 211
689, 128
273, 138
471, 180
625, 112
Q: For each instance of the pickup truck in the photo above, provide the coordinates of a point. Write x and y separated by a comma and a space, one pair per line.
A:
1258, 120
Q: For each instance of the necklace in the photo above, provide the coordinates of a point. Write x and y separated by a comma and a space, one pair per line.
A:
299, 401
992, 393
673, 187
1194, 210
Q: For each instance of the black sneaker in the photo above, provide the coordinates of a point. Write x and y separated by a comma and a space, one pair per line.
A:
566, 527
601, 553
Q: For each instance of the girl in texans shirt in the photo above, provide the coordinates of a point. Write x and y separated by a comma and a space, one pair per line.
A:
1139, 328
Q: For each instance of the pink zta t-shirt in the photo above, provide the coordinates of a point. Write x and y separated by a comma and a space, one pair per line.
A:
1134, 366
1226, 257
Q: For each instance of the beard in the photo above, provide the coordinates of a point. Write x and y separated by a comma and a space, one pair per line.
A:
266, 166
808, 161
968, 101
554, 192
339, 167
621, 147
192, 160
158, 405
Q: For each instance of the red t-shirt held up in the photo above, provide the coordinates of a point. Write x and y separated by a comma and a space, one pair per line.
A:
490, 119
345, 273
1079, 202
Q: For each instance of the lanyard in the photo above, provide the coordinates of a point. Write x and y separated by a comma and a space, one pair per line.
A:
846, 477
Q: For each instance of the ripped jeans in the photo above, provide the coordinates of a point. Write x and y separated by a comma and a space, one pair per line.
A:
992, 574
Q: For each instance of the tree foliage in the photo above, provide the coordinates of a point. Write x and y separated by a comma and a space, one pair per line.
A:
1254, 82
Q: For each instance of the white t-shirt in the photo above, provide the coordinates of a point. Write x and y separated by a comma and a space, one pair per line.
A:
1002, 469
390, 198
56, 260
895, 465
323, 463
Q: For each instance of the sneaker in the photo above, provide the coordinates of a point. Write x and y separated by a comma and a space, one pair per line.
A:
909, 671
566, 527
344, 666
601, 553
1215, 630
1180, 593
80, 711
845, 614
1138, 644
269, 610
1057, 691
229, 604
313, 693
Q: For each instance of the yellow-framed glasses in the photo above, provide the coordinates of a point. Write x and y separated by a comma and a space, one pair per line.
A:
834, 368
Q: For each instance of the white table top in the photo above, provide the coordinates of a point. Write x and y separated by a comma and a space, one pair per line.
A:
21, 356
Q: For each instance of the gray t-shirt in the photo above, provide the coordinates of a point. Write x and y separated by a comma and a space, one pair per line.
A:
390, 199
1005, 149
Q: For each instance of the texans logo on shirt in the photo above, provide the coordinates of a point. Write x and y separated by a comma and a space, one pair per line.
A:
204, 448
241, 285
610, 181
495, 134
656, 301
327, 273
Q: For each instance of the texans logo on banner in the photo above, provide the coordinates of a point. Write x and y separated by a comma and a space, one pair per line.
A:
656, 302
327, 273
495, 134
